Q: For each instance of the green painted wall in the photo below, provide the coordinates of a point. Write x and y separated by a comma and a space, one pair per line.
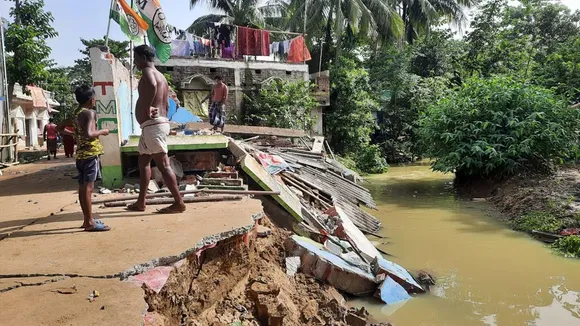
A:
112, 176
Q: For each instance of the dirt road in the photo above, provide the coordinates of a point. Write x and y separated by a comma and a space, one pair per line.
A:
40, 236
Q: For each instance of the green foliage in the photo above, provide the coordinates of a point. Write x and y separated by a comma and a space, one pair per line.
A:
561, 70
281, 104
569, 246
539, 221
369, 159
26, 42
58, 83
349, 123
495, 127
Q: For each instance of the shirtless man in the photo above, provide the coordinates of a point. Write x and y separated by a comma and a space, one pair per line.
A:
151, 113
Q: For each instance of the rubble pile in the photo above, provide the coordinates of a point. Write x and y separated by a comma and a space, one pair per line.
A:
323, 199
235, 284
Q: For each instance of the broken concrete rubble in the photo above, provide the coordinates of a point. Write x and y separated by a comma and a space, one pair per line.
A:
323, 204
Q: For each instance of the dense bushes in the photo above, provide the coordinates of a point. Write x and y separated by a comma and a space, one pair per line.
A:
493, 127
539, 221
568, 246
281, 104
350, 123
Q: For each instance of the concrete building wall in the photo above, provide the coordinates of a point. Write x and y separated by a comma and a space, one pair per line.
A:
114, 111
194, 75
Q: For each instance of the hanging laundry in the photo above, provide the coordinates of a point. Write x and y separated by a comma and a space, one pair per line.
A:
298, 51
180, 48
265, 42
253, 41
285, 47
229, 52
274, 48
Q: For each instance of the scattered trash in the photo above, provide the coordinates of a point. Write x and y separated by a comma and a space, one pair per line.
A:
62, 209
570, 231
153, 187
102, 307
104, 191
93, 295
30, 200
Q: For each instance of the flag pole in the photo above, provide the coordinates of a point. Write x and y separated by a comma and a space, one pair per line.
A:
109, 24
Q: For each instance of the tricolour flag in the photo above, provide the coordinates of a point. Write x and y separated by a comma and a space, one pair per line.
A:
158, 33
132, 24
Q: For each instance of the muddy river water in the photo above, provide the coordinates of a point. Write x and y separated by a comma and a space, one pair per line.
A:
486, 273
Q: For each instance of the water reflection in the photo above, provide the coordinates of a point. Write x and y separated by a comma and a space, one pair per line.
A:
487, 274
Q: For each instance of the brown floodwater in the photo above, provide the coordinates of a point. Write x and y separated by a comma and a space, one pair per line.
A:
486, 273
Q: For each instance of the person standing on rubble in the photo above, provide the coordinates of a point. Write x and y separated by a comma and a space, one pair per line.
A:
89, 150
217, 108
151, 113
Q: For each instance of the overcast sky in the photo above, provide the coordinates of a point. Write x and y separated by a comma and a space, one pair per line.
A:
88, 19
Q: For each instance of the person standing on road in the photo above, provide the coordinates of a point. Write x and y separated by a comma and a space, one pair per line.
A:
68, 142
151, 113
89, 150
217, 108
51, 138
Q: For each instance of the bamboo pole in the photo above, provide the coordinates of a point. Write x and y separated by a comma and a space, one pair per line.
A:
196, 191
165, 201
109, 24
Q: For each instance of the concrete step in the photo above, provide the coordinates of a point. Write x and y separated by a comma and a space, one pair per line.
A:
231, 175
221, 181
222, 187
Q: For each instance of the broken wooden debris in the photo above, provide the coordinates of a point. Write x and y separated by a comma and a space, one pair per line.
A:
163, 201
203, 191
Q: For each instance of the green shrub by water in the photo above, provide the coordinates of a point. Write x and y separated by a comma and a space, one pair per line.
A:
496, 127
568, 246
539, 221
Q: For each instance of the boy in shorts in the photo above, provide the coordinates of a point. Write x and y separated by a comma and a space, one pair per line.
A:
89, 149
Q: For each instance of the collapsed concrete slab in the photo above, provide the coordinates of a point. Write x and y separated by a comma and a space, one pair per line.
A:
329, 268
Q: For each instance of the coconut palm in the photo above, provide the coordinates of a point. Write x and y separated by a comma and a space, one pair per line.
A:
237, 12
419, 15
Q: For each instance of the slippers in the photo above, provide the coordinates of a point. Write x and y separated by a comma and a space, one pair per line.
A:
171, 210
99, 227
134, 208
96, 221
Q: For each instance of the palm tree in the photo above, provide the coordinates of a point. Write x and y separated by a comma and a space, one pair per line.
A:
237, 12
419, 15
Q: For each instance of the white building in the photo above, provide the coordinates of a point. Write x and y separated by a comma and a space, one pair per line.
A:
30, 113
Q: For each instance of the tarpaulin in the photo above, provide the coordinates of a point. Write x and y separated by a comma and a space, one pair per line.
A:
273, 163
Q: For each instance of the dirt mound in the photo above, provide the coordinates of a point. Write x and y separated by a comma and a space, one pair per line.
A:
557, 193
236, 284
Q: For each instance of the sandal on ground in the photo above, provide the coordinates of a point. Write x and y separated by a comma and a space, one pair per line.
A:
173, 209
134, 208
99, 227
98, 221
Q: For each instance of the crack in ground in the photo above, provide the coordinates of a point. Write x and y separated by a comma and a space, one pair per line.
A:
140, 268
7, 235
22, 284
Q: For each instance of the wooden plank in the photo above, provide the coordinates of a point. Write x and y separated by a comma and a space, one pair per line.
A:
287, 198
165, 201
251, 130
207, 191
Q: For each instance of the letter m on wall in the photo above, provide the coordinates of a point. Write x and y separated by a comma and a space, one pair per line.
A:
110, 108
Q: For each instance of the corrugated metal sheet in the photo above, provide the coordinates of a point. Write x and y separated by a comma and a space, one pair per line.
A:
327, 176
365, 221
